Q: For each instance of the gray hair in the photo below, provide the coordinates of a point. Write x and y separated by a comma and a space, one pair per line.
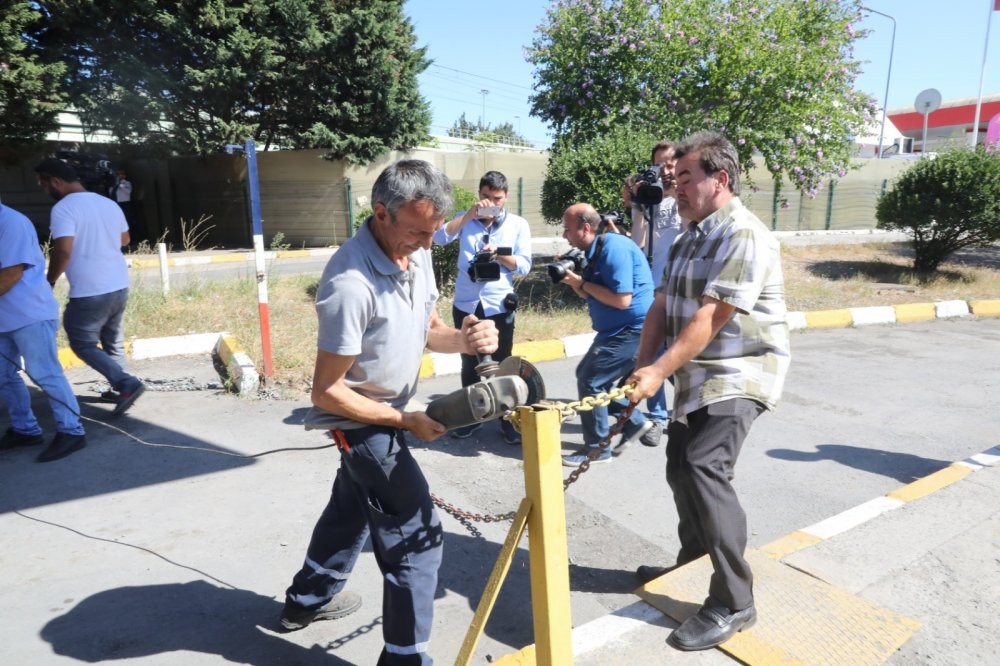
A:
715, 153
407, 181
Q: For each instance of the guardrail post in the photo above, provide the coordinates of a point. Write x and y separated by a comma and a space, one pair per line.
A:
350, 208
829, 205
547, 549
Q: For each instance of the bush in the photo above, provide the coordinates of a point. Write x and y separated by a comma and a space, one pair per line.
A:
595, 171
945, 203
444, 257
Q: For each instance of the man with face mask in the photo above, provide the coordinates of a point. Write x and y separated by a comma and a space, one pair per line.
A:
88, 232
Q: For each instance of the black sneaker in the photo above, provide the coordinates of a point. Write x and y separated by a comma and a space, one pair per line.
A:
126, 398
62, 445
13, 438
510, 434
295, 617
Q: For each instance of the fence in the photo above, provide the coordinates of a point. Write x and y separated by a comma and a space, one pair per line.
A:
312, 201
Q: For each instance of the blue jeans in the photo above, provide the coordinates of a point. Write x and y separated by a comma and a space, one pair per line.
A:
37, 344
379, 491
607, 361
100, 318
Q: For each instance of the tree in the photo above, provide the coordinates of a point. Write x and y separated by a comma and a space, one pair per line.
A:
775, 76
193, 76
595, 171
30, 98
503, 133
945, 203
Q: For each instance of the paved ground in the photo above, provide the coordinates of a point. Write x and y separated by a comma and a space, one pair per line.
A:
162, 555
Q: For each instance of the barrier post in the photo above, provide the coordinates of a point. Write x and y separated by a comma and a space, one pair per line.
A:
547, 549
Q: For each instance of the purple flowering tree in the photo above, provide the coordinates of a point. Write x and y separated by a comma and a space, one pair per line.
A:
775, 76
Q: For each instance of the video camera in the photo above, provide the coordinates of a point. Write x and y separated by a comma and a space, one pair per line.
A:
93, 169
650, 190
484, 267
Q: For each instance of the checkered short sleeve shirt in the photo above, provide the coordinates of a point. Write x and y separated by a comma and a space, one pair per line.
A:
732, 257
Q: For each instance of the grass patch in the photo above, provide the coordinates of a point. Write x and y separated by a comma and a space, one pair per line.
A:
816, 278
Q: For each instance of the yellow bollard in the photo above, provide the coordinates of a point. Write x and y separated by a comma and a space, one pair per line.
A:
547, 550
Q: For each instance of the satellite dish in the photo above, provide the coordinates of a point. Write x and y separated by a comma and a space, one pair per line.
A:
927, 101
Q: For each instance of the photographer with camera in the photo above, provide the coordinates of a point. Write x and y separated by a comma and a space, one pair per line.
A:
650, 195
610, 272
494, 246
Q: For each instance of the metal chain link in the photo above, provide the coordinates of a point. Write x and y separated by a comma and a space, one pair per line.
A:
567, 410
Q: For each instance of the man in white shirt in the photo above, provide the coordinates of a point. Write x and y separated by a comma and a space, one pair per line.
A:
88, 232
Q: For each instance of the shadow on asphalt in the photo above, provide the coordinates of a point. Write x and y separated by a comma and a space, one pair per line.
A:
110, 463
141, 621
904, 467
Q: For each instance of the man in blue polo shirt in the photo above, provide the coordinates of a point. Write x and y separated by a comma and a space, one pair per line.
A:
619, 290
29, 316
506, 238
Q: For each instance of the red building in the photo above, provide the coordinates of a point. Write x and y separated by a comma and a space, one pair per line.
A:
950, 124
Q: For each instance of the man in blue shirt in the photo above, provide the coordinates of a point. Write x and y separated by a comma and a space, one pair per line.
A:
506, 238
29, 316
619, 290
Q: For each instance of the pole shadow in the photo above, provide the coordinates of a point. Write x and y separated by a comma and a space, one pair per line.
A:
903, 467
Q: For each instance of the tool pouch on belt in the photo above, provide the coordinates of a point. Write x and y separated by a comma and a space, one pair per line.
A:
483, 401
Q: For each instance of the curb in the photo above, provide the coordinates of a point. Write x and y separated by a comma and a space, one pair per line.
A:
437, 365
243, 376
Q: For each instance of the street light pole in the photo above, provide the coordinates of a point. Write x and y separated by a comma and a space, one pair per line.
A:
482, 119
885, 103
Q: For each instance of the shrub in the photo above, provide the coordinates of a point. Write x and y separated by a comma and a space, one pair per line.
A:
444, 257
945, 203
594, 171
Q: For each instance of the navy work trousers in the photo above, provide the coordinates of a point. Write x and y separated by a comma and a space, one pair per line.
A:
379, 490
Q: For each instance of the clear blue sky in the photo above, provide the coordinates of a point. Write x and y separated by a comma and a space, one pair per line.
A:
479, 46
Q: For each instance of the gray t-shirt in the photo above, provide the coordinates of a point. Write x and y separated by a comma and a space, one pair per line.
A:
370, 309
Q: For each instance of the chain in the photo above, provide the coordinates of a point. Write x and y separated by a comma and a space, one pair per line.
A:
567, 410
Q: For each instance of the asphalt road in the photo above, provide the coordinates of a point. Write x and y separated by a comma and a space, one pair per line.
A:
159, 555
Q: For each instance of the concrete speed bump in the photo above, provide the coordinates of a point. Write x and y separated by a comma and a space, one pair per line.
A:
800, 619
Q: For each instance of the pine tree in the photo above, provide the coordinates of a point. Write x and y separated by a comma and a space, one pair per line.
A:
29, 89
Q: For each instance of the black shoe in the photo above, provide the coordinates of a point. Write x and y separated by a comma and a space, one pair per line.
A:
710, 626
112, 396
295, 617
13, 438
510, 435
61, 446
648, 572
126, 398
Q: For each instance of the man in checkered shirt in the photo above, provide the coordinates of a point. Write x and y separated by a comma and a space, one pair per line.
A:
721, 312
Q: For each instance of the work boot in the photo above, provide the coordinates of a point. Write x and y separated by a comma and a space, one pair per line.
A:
295, 617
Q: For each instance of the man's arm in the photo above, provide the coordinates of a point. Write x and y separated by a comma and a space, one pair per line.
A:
126, 239
692, 340
331, 394
62, 248
475, 337
598, 292
9, 276
654, 329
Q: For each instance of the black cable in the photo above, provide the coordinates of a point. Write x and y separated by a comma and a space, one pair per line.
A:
157, 445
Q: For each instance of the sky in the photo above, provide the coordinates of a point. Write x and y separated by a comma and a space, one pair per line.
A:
478, 46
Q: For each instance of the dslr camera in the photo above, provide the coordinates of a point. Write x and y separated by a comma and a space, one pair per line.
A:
484, 267
573, 260
650, 190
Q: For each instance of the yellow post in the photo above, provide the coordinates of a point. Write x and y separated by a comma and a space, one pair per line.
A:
547, 549
492, 590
